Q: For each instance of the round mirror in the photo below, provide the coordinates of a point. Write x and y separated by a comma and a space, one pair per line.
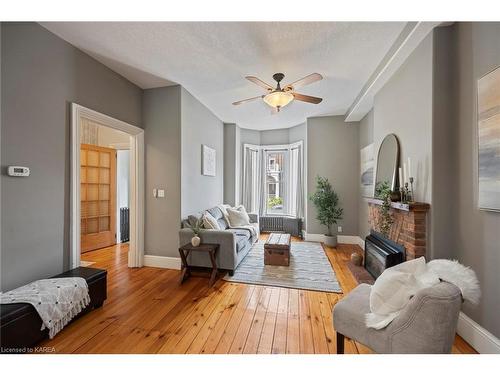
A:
387, 163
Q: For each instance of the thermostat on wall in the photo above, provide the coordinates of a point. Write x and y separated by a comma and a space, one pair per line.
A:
17, 171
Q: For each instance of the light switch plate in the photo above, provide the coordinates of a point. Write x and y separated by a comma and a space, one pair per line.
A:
154, 193
161, 193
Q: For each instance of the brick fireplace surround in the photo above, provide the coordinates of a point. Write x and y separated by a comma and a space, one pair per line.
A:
409, 227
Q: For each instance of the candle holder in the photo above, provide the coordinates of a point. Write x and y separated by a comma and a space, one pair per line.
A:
411, 197
403, 194
406, 193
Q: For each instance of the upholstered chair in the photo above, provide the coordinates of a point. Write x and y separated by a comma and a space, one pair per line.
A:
426, 325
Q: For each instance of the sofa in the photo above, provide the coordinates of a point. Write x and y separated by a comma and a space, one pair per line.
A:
234, 243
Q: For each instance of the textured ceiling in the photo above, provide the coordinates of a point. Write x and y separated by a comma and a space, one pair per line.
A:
211, 60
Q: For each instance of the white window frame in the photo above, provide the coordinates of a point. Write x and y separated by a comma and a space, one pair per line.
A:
263, 149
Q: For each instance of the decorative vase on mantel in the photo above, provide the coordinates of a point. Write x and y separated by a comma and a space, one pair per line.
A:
195, 241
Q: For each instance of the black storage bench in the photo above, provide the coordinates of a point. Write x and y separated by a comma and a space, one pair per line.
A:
20, 323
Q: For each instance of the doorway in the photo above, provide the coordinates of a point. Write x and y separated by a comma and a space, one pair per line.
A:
107, 183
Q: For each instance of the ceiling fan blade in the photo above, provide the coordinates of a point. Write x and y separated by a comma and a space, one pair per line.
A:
248, 100
259, 82
307, 98
305, 81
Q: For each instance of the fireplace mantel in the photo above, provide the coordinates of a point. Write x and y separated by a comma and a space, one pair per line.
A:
409, 227
411, 206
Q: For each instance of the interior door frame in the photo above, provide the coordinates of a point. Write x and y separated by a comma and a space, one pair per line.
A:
136, 243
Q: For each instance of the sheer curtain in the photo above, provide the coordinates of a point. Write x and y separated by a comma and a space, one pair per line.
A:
251, 173
296, 178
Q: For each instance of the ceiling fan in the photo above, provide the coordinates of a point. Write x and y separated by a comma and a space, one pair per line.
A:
278, 97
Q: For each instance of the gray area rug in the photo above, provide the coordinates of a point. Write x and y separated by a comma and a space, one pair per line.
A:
309, 269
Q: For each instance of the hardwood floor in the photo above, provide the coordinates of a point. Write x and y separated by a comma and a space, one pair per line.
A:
148, 312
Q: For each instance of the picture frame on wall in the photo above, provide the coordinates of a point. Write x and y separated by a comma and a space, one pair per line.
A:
488, 137
367, 161
208, 160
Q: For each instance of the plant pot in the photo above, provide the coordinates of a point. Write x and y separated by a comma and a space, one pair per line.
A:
331, 240
195, 241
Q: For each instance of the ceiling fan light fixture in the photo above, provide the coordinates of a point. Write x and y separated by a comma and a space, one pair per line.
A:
278, 99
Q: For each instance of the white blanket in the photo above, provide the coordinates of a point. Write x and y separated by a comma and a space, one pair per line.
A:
57, 301
397, 285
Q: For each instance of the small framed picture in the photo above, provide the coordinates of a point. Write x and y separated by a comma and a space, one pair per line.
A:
208, 160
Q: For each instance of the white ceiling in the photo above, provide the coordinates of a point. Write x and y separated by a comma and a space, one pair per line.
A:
211, 60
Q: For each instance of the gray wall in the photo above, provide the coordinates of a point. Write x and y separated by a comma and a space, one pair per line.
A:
41, 76
200, 126
274, 137
162, 125
365, 138
477, 232
232, 151
332, 153
404, 107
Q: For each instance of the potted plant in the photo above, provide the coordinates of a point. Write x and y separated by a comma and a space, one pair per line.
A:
326, 201
383, 192
196, 228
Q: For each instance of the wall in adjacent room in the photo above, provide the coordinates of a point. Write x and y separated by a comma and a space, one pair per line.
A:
336, 157
200, 127
477, 232
365, 138
41, 76
162, 137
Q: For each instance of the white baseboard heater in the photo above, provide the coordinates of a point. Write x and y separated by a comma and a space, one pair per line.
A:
285, 224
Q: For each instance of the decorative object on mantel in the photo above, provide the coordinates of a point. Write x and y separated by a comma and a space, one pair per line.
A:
406, 183
326, 201
196, 228
208, 161
387, 163
488, 123
409, 224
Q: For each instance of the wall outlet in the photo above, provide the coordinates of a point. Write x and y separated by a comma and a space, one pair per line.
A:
161, 193
339, 229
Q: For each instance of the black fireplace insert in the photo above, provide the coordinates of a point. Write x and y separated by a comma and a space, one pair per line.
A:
381, 253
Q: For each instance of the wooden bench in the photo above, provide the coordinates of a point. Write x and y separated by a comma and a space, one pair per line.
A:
277, 249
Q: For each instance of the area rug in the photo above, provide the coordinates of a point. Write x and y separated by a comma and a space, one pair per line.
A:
309, 269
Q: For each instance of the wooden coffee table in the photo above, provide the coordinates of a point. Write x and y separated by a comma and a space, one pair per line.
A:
210, 249
277, 249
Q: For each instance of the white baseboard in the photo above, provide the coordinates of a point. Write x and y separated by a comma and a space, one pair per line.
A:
476, 336
354, 240
162, 262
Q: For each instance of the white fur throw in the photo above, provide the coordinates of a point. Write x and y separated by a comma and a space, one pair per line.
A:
397, 285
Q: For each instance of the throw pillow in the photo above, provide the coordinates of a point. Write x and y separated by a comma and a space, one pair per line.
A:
238, 216
209, 222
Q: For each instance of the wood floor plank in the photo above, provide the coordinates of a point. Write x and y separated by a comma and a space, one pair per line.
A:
280, 331
293, 327
253, 337
235, 309
267, 336
226, 305
240, 338
305, 339
233, 327
317, 327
